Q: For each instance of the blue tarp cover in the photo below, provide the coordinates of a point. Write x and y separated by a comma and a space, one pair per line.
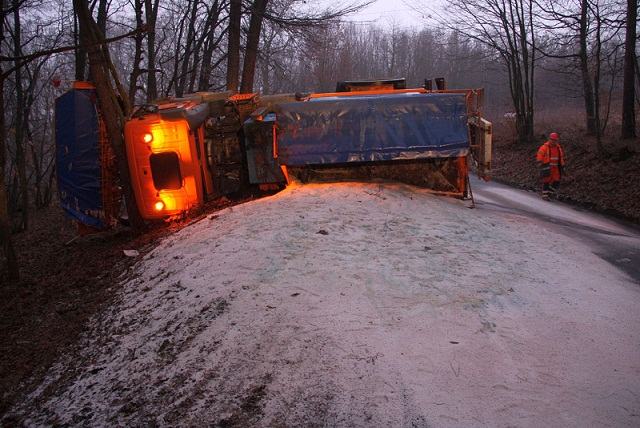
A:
78, 157
337, 130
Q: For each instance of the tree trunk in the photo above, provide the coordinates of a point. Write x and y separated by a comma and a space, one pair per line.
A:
587, 86
176, 58
188, 50
233, 52
80, 52
200, 49
36, 164
596, 79
520, 65
137, 57
209, 46
628, 93
253, 39
151, 12
21, 162
110, 109
13, 272
101, 19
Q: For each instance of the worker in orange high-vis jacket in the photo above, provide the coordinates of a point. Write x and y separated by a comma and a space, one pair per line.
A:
551, 160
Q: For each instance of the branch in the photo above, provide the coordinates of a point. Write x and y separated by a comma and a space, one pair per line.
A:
310, 20
25, 59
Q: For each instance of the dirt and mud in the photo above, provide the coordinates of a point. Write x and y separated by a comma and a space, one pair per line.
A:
65, 281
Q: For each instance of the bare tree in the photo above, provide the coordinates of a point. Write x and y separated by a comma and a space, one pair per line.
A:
113, 102
21, 119
151, 13
13, 272
584, 32
628, 93
80, 53
136, 72
101, 19
211, 43
233, 50
506, 27
188, 50
288, 18
40, 136
253, 38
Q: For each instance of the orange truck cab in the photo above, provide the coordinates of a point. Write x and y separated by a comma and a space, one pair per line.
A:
167, 158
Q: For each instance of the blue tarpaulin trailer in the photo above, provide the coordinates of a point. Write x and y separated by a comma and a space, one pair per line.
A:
79, 162
358, 129
372, 128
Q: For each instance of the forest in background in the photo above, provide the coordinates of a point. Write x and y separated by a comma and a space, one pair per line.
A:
532, 57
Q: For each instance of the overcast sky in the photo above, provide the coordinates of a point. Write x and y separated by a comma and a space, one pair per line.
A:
389, 12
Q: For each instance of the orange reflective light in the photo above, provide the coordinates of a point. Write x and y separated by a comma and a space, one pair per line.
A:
148, 137
159, 206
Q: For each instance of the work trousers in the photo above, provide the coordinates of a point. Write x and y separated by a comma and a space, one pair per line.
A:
549, 189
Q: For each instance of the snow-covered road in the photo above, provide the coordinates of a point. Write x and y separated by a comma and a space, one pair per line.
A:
367, 305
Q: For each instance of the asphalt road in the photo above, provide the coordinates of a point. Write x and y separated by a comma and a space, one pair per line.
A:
613, 240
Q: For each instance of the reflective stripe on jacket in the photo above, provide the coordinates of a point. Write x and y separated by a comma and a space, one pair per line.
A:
550, 160
553, 156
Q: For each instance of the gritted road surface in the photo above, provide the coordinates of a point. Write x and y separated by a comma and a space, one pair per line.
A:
367, 305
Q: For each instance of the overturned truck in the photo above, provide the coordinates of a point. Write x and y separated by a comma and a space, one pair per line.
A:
184, 151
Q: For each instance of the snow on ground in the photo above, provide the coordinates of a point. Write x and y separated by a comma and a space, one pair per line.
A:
359, 305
